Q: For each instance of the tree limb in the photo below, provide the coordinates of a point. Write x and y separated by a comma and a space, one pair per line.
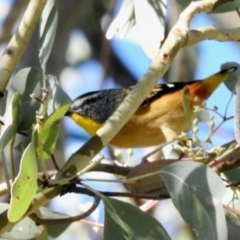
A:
19, 41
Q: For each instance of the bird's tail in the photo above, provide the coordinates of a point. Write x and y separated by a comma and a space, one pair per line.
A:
210, 84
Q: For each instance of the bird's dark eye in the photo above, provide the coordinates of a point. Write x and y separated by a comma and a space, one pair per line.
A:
86, 101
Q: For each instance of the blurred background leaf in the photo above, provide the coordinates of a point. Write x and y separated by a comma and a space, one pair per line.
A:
26, 82
48, 28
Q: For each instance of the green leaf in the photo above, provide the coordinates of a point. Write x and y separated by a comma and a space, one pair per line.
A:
49, 133
48, 27
184, 3
150, 24
57, 115
227, 7
125, 221
3, 103
25, 229
25, 186
196, 192
26, 82
11, 120
45, 141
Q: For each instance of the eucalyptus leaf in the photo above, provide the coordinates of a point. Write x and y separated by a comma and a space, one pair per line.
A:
184, 3
3, 103
231, 81
54, 230
150, 24
24, 229
125, 221
227, 7
56, 96
26, 82
123, 22
25, 186
49, 134
9, 129
197, 192
20, 147
145, 19
45, 141
48, 27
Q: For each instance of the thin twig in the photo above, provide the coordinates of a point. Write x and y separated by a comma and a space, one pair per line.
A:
232, 210
54, 162
81, 190
53, 221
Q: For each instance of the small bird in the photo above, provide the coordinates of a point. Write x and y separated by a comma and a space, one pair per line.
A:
159, 119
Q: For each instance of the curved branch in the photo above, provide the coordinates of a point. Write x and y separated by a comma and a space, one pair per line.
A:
53, 221
212, 33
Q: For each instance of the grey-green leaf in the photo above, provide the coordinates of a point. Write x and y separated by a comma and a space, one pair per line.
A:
196, 192
11, 120
227, 7
125, 221
56, 96
54, 230
233, 77
48, 27
26, 82
150, 23
123, 22
25, 229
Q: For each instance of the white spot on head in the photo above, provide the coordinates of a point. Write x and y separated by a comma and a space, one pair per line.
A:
170, 85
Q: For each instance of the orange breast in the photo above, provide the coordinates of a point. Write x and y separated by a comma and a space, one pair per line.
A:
145, 128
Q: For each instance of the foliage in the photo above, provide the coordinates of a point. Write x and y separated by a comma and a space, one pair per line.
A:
34, 105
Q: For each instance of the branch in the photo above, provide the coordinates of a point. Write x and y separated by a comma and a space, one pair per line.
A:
177, 38
212, 33
54, 221
19, 41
